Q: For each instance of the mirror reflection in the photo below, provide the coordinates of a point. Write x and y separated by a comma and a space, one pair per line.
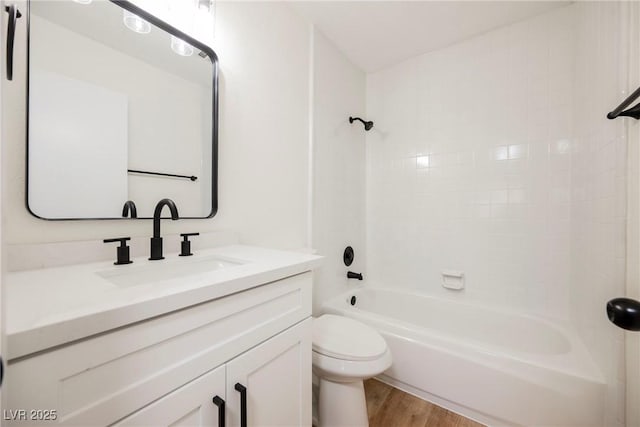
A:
121, 108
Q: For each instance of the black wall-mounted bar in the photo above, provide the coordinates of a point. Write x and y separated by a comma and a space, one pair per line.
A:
631, 112
192, 178
14, 14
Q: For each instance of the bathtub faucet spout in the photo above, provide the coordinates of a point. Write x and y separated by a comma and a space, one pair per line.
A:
352, 275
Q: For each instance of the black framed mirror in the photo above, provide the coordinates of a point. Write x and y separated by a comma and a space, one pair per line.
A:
121, 106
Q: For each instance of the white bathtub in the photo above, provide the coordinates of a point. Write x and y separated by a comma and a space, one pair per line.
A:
498, 367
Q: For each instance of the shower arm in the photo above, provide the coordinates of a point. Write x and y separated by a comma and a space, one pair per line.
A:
352, 119
367, 125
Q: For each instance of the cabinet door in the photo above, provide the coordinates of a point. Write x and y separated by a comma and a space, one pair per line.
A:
276, 376
190, 405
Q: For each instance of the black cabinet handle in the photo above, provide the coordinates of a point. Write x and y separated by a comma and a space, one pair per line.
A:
219, 402
243, 404
14, 14
625, 313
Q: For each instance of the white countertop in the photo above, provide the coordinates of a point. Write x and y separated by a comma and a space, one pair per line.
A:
53, 306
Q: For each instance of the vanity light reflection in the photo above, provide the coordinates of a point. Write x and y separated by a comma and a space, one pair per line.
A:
181, 47
203, 5
135, 23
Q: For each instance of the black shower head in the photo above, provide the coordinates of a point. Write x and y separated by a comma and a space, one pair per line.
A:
367, 125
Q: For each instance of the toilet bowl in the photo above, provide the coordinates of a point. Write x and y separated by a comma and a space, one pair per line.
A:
345, 352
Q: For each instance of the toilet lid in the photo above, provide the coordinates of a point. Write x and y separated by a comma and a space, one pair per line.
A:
347, 339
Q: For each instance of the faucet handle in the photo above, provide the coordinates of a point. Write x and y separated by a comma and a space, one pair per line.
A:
186, 244
123, 250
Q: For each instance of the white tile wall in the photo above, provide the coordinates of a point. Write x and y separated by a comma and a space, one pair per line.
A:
494, 157
339, 169
468, 167
598, 191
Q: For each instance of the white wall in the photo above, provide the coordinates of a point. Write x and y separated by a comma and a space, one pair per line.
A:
598, 188
468, 169
263, 140
339, 173
264, 57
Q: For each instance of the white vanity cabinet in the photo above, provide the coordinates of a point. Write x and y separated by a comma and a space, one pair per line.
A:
273, 378
167, 369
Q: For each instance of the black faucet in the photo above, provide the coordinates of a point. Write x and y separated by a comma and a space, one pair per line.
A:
129, 206
156, 240
352, 275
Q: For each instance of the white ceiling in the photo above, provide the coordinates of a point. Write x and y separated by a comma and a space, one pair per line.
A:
377, 34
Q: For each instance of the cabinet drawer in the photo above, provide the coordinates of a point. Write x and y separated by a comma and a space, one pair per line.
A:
103, 379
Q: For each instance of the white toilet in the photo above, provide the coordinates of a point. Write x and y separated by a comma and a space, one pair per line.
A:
345, 352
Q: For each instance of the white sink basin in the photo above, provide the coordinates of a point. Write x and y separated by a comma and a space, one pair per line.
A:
125, 276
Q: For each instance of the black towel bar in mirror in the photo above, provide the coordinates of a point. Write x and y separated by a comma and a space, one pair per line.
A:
192, 178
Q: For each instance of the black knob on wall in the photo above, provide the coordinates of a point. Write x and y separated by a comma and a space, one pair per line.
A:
348, 256
625, 313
